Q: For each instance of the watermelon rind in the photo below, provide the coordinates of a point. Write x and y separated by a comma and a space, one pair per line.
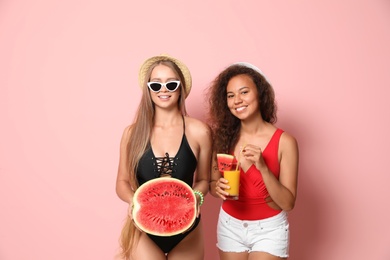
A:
164, 206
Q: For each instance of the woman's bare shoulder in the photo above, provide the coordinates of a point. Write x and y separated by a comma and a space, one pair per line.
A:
196, 126
195, 123
288, 141
127, 132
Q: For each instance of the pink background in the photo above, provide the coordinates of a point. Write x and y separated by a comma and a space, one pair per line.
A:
68, 87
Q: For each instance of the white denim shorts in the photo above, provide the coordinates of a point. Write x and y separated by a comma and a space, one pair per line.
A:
271, 235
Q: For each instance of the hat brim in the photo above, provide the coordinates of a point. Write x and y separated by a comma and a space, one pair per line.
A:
251, 66
149, 62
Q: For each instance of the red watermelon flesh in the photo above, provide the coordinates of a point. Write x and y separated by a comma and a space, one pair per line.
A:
164, 207
225, 162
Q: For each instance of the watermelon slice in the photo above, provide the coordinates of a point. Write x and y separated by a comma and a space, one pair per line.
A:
164, 206
225, 162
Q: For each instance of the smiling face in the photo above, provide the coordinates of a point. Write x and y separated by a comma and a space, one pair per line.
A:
242, 97
164, 98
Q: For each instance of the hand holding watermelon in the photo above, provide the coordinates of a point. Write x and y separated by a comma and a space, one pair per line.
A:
130, 210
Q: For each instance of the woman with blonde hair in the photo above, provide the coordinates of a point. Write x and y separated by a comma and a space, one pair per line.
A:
162, 131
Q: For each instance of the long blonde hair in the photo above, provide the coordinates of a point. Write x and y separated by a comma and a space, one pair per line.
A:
139, 141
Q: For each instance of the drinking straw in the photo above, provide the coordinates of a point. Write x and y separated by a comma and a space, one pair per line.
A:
238, 161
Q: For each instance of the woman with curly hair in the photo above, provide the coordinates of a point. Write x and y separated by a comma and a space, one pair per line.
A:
242, 114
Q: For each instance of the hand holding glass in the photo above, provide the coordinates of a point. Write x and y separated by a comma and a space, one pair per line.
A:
233, 177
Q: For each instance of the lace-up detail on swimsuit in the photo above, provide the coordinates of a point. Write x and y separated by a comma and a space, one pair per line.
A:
181, 166
164, 165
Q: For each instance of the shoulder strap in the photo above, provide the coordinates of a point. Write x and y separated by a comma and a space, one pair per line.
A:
184, 125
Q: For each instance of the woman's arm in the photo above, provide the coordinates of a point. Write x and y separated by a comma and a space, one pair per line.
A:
123, 188
200, 140
283, 191
202, 176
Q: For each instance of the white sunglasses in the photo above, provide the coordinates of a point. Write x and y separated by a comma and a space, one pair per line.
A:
171, 86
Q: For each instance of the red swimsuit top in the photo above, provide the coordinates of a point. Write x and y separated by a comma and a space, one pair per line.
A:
251, 204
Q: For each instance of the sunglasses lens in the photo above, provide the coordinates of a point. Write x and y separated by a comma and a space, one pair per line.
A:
171, 86
155, 87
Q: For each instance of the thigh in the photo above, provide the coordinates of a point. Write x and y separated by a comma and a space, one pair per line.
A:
191, 247
233, 256
146, 249
263, 256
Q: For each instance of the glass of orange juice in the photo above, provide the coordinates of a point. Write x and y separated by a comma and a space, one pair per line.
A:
233, 177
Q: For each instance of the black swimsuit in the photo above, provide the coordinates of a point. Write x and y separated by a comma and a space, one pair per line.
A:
182, 167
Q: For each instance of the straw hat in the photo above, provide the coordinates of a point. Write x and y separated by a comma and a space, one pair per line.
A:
164, 57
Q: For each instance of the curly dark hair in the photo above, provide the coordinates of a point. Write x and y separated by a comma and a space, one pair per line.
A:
225, 126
